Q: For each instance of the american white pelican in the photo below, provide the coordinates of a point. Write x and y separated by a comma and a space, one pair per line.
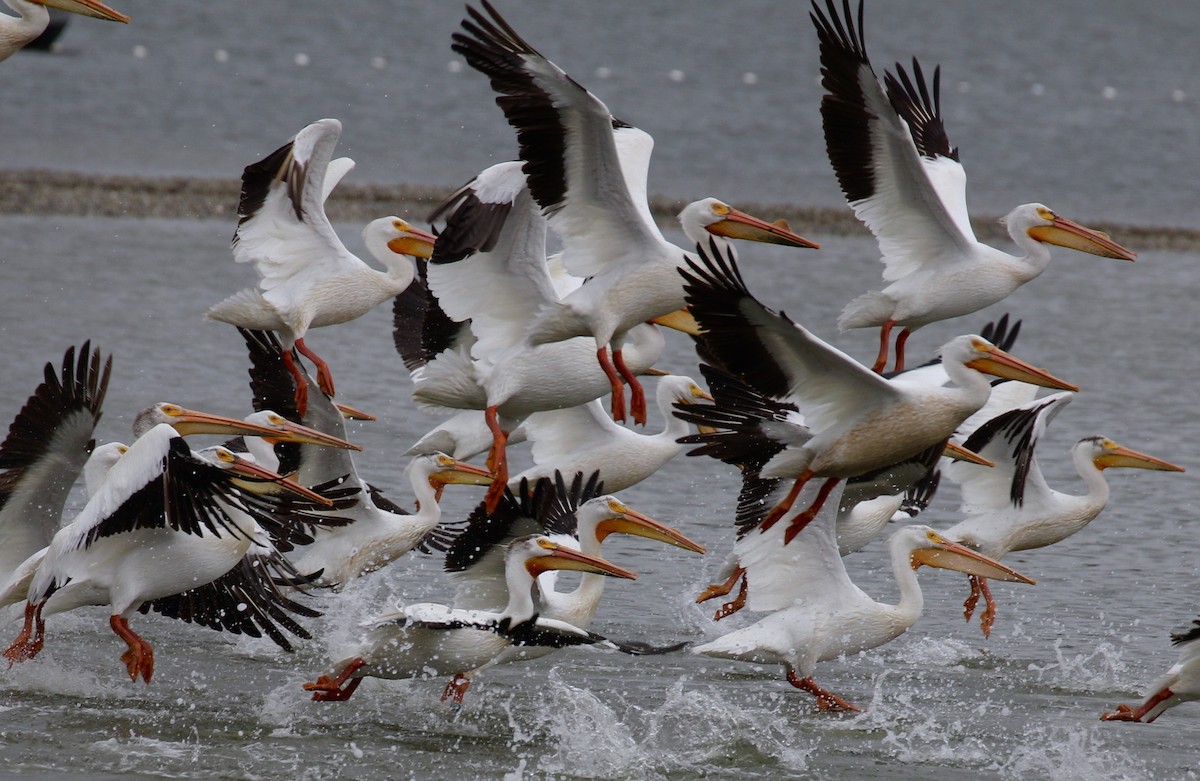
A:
365, 530
489, 267
47, 446
575, 175
1180, 683
896, 167
15, 33
579, 515
1010, 507
407, 643
308, 278
584, 439
164, 521
816, 612
855, 421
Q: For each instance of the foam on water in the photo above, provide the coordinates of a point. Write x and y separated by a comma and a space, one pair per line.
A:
1066, 753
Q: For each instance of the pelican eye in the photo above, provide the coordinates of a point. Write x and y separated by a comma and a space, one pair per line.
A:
545, 543
400, 225
617, 507
1108, 444
720, 208
933, 536
1045, 213
171, 409
981, 345
697, 391
445, 460
226, 456
122, 449
275, 420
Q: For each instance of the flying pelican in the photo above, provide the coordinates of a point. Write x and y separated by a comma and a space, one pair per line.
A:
1010, 507
489, 267
164, 521
584, 439
855, 421
370, 531
308, 279
15, 33
896, 167
817, 613
1180, 683
407, 642
48, 444
579, 515
575, 175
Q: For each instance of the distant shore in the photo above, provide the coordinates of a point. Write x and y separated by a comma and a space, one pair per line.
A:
181, 197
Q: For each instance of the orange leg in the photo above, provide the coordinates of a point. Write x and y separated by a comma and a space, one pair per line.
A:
139, 659
885, 338
328, 689
457, 688
972, 598
826, 700
805, 518
31, 639
988, 617
497, 460
900, 342
779, 510
324, 376
721, 589
637, 401
301, 383
735, 604
614, 379
1126, 713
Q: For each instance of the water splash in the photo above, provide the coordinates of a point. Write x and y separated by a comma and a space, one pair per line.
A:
1070, 754
1100, 669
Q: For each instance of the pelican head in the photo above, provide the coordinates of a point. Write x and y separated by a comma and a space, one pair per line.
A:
979, 354
392, 235
441, 470
927, 547
187, 421
542, 554
684, 390
253, 478
721, 219
287, 431
1105, 453
607, 515
1042, 224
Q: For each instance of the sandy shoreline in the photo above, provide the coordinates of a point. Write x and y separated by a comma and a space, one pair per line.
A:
96, 195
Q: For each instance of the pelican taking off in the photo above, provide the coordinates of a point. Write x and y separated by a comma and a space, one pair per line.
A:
308, 278
896, 167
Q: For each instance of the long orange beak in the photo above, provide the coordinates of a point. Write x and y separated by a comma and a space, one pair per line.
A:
946, 554
415, 242
460, 473
1070, 234
561, 557
190, 421
259, 475
1000, 364
1120, 456
303, 435
92, 8
960, 453
626, 520
739, 225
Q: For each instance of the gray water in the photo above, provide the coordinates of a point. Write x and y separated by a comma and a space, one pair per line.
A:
941, 702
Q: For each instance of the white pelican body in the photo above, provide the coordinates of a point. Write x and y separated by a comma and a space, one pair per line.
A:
16, 32
408, 643
583, 440
308, 279
138, 540
898, 171
854, 421
818, 613
1179, 684
575, 175
1010, 507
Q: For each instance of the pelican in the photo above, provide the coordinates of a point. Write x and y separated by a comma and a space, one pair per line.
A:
581, 515
576, 177
584, 439
47, 446
489, 267
855, 421
1180, 683
308, 279
816, 612
164, 521
407, 642
896, 167
15, 33
1010, 507
365, 531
